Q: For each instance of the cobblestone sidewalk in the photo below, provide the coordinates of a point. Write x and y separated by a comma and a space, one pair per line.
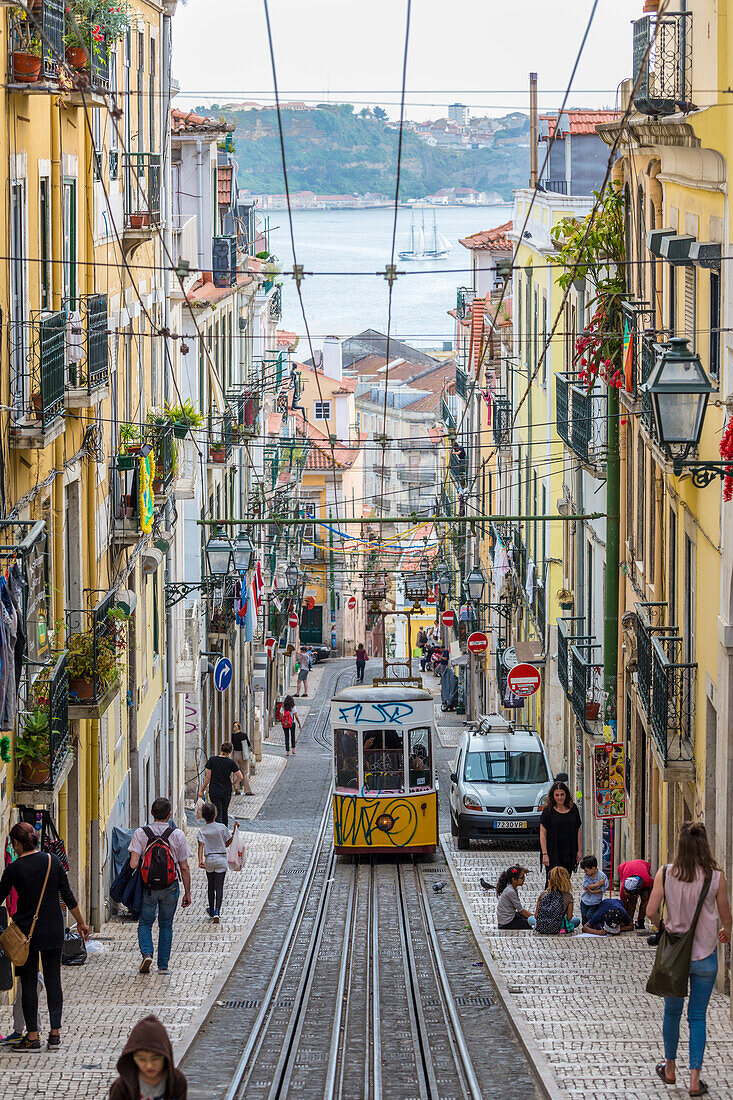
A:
105, 997
269, 769
583, 999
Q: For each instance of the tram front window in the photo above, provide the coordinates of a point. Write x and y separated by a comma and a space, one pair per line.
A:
347, 759
420, 758
384, 760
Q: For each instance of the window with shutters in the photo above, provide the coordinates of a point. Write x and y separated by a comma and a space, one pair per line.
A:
321, 410
527, 337
714, 324
691, 305
140, 92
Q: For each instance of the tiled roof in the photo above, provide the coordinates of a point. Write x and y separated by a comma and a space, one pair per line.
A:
224, 183
205, 292
187, 122
286, 339
492, 240
581, 122
478, 309
334, 386
320, 456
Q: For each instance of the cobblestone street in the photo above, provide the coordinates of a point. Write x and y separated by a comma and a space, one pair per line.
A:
582, 998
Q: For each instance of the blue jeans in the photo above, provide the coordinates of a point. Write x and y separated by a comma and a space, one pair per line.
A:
587, 911
164, 903
702, 980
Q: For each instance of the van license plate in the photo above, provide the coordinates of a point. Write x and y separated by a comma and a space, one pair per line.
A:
510, 824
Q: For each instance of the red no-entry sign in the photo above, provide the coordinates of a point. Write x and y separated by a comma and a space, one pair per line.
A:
292, 620
478, 642
448, 618
431, 596
270, 646
523, 680
352, 603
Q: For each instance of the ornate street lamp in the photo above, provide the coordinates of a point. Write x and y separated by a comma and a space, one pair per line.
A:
291, 575
678, 389
219, 554
444, 580
475, 582
243, 553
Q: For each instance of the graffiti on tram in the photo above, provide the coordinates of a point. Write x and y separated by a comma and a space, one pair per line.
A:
361, 821
392, 714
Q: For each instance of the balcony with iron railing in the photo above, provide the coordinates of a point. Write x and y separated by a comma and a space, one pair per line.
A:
649, 624
165, 452
582, 420
579, 669
88, 353
447, 415
96, 643
141, 173
461, 383
43, 753
37, 376
502, 424
663, 63
672, 719
36, 47
464, 299
557, 187
221, 439
245, 403
417, 477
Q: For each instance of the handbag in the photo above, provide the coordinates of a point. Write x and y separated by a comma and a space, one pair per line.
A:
13, 941
671, 970
51, 841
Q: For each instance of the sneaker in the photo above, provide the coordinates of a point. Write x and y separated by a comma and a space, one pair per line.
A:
215, 917
249, 794
14, 1037
146, 964
26, 1044
209, 914
54, 1041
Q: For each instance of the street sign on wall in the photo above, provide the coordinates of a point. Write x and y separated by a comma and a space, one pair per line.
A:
223, 672
478, 642
524, 680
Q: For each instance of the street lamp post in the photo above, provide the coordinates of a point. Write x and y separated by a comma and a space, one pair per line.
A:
475, 583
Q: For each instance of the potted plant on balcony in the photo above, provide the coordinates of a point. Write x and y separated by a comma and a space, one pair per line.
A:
89, 665
92, 28
217, 451
130, 444
184, 418
27, 55
32, 745
565, 598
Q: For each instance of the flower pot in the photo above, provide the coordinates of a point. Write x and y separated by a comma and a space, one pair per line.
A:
592, 710
83, 690
125, 462
26, 67
133, 448
139, 221
35, 772
77, 57
180, 431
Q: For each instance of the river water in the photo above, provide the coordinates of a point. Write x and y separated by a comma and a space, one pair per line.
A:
351, 241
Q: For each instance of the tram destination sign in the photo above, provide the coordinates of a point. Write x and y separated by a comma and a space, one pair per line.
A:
523, 680
478, 642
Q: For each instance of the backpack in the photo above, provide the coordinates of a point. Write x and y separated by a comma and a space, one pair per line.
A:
158, 868
550, 913
287, 719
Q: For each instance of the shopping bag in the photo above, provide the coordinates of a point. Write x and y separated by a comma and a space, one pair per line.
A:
74, 951
200, 803
236, 853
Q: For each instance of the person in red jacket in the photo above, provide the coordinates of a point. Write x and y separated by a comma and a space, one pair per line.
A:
635, 876
146, 1069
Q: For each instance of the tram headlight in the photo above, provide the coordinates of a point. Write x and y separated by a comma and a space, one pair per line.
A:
471, 803
385, 822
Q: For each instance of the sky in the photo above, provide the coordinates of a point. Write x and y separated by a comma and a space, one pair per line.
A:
477, 52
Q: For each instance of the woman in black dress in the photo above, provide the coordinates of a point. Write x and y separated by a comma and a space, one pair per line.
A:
27, 875
561, 841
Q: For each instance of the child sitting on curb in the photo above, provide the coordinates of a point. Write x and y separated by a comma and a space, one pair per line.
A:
509, 912
554, 912
594, 884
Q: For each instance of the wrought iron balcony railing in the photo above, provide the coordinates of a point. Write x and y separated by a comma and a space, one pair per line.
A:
585, 681
37, 370
558, 187
142, 182
95, 652
502, 423
42, 744
638, 319
224, 261
165, 451
649, 624
88, 346
461, 383
672, 720
36, 45
663, 63
464, 298
581, 419
447, 416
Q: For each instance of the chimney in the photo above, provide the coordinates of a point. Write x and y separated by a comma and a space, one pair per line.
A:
332, 361
533, 129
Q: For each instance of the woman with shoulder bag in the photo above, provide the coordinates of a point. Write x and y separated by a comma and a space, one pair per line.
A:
41, 885
692, 889
240, 756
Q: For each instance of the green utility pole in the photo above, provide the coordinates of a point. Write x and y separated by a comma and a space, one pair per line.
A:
613, 544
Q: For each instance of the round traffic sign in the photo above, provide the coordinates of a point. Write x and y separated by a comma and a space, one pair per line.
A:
223, 672
292, 620
448, 618
310, 603
478, 642
352, 603
270, 644
431, 596
523, 680
509, 657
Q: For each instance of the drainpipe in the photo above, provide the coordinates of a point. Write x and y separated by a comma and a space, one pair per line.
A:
200, 173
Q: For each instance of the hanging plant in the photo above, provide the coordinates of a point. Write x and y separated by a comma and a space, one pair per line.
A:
726, 451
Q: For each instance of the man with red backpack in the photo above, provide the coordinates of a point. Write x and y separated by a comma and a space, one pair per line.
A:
162, 853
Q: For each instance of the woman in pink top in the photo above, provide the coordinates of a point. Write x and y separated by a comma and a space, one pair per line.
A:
685, 878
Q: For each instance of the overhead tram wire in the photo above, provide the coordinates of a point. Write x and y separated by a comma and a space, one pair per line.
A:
391, 274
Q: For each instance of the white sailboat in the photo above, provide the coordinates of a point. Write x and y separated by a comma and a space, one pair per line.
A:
438, 245
416, 242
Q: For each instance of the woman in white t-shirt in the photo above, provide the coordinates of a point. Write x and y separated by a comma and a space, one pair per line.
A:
214, 839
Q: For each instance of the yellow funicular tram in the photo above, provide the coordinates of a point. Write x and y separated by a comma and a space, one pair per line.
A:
384, 794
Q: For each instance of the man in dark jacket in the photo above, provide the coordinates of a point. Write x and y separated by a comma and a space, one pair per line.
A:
146, 1068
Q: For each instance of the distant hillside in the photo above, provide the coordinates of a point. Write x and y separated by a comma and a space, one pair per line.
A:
330, 150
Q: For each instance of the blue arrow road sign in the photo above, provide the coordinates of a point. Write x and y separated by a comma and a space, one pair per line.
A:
223, 673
